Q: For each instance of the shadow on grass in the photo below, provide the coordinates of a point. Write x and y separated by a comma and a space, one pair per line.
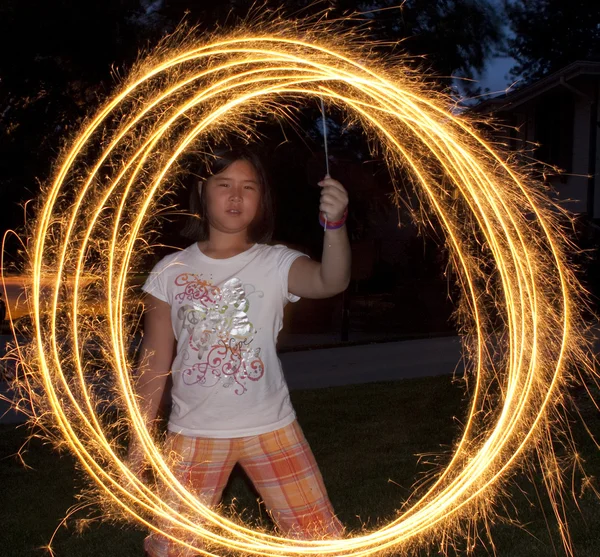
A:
365, 438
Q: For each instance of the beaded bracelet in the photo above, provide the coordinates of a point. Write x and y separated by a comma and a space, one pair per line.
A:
329, 225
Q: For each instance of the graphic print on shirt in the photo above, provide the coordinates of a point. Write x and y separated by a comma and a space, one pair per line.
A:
220, 334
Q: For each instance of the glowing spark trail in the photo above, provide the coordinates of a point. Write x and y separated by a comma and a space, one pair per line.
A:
519, 306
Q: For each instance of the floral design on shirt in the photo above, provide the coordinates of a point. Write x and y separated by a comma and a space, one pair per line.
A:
220, 333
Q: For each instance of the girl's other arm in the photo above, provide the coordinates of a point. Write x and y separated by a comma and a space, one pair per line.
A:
156, 356
310, 279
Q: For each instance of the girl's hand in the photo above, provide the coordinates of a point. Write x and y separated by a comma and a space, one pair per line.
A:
334, 199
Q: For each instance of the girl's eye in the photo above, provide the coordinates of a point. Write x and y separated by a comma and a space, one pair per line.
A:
250, 188
224, 184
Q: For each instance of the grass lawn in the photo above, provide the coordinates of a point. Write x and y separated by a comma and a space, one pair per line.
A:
365, 438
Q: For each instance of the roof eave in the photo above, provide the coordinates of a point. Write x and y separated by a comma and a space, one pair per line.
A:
513, 99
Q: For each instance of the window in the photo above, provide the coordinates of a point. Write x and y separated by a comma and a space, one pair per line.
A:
554, 115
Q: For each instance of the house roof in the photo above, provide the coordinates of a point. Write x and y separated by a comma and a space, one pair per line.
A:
559, 78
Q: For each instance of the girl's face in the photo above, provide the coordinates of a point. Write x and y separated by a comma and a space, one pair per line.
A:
233, 197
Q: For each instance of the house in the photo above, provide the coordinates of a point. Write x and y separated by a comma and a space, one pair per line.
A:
560, 114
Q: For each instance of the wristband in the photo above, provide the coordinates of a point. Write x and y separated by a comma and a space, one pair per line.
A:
329, 225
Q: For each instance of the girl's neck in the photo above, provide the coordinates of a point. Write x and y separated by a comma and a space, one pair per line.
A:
223, 246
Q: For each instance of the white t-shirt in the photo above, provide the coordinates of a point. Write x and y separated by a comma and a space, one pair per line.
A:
226, 315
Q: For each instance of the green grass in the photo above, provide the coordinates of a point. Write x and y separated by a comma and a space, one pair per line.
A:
365, 438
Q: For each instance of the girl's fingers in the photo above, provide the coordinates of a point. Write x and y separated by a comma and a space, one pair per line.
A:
334, 197
334, 187
331, 209
332, 183
341, 193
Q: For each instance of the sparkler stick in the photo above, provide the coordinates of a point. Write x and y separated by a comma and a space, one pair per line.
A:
324, 119
94, 223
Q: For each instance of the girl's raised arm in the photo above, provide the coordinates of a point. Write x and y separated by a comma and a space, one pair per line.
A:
310, 279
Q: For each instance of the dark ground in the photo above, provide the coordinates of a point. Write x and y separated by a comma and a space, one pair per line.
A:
365, 438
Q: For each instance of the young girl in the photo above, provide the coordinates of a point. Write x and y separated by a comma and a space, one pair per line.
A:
218, 306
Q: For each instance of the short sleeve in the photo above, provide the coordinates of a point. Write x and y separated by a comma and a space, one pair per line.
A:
156, 282
285, 257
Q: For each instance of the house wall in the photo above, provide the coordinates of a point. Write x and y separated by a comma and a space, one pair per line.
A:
572, 188
596, 177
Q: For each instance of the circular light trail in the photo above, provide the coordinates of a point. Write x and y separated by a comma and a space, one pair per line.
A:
505, 245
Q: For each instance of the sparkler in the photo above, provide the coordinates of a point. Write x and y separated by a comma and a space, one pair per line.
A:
506, 246
326, 147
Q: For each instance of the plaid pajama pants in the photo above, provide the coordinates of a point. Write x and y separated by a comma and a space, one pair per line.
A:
282, 468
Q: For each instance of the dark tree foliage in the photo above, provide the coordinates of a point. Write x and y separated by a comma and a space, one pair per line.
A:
56, 63
455, 36
61, 58
550, 34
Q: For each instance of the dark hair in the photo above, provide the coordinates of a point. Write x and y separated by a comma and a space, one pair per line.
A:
261, 229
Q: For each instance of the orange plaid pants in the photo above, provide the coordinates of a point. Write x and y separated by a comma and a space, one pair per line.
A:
282, 468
